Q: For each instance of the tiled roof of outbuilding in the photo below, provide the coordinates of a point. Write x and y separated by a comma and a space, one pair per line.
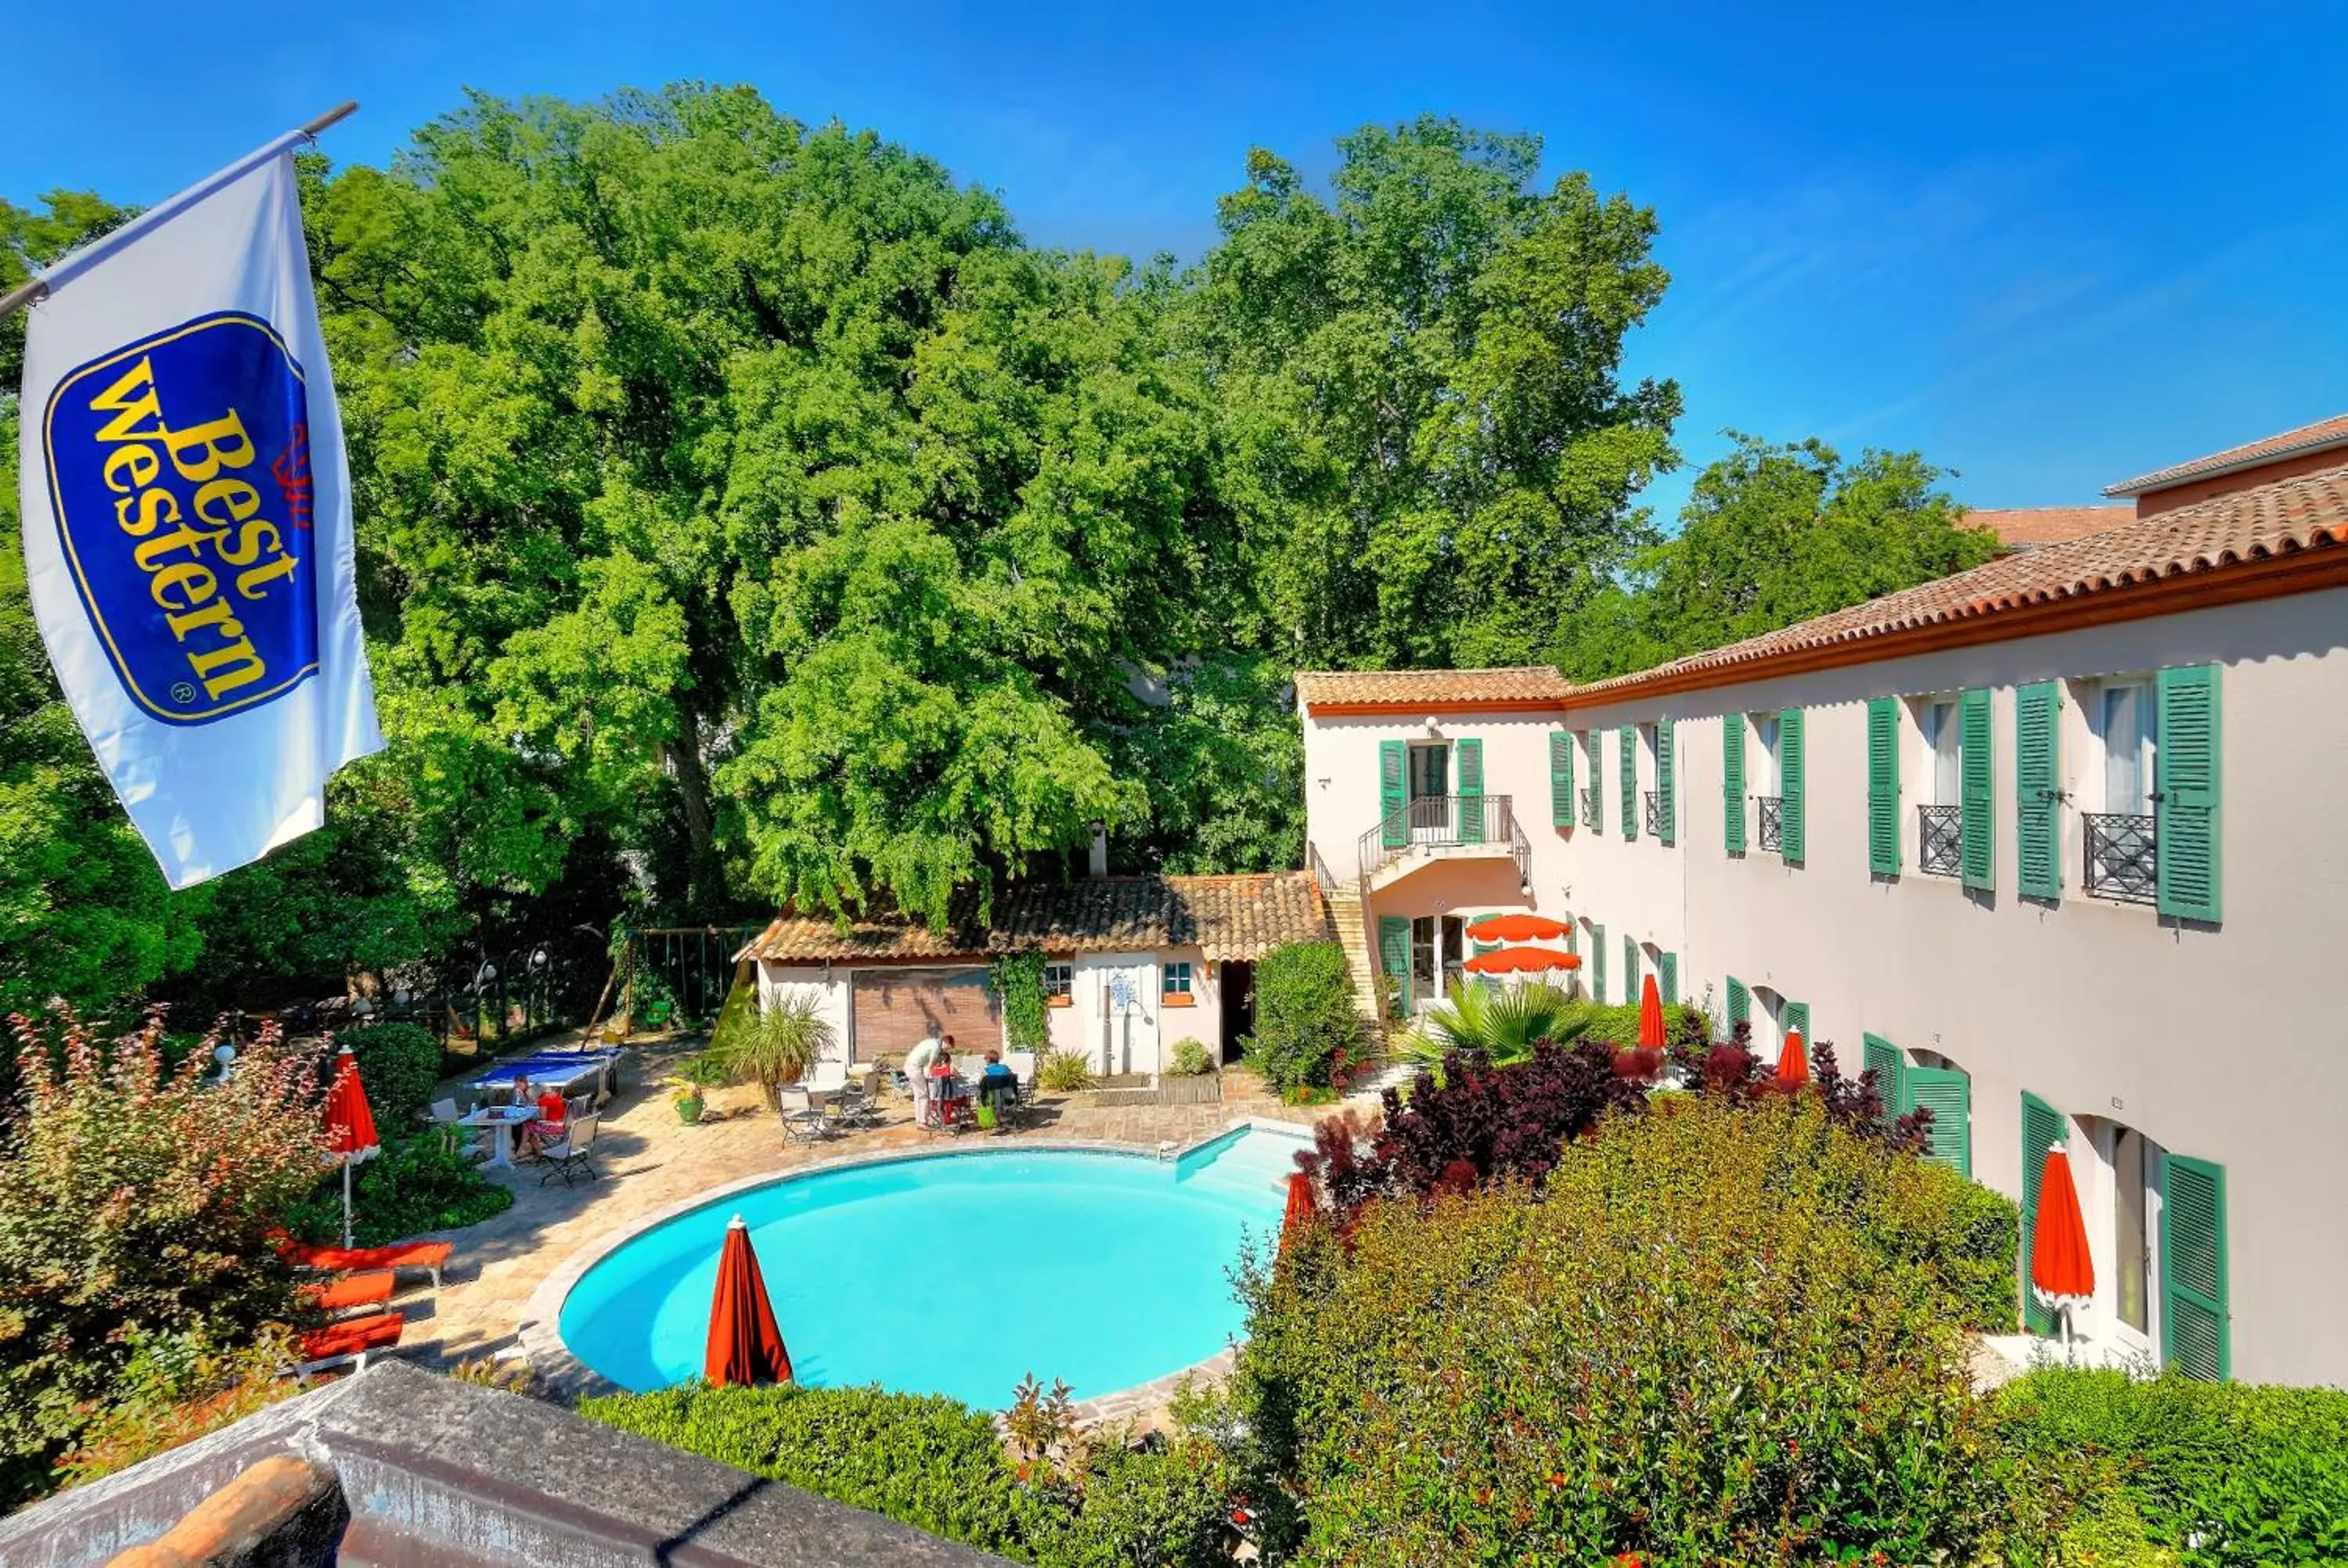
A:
1410, 690
2315, 437
2286, 517
1237, 916
2027, 527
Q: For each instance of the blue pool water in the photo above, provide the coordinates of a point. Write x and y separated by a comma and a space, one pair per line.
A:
957, 1274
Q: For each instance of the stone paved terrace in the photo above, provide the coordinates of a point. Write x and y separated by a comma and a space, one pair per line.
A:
650, 1161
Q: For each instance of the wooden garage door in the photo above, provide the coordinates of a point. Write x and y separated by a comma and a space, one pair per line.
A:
895, 1008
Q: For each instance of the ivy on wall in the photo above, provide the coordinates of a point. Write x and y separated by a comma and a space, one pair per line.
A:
1018, 980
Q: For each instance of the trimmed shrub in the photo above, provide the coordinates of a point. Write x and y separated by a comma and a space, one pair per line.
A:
400, 1063
1685, 1347
421, 1181
2215, 1475
1191, 1058
1305, 1018
939, 1465
1063, 1073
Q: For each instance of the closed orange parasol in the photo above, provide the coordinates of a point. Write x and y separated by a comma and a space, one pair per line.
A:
746, 1347
1521, 962
1794, 1062
350, 1126
2061, 1270
1651, 1017
1299, 1207
1517, 929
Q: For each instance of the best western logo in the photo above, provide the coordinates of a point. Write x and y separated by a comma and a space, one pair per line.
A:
179, 471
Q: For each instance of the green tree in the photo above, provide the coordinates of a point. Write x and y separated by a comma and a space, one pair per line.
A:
1421, 419
1224, 761
1774, 535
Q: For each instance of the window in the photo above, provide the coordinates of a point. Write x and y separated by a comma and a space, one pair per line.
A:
2132, 1247
1058, 979
1423, 957
2121, 846
1430, 770
1438, 946
1177, 984
2125, 726
1765, 761
1939, 725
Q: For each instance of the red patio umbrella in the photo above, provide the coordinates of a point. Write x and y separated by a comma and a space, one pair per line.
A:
1299, 1207
2062, 1271
746, 1345
1651, 1017
1517, 929
1520, 961
1793, 1061
350, 1125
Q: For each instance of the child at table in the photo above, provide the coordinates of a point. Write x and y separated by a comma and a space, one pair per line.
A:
942, 1085
552, 1115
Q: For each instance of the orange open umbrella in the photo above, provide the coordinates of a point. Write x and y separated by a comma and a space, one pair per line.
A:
1517, 929
1651, 1017
1299, 1207
746, 1345
2062, 1271
1794, 1062
1520, 961
350, 1125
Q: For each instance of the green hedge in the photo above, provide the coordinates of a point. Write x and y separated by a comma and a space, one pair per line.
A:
1620, 1025
420, 1182
1304, 1015
400, 1063
2214, 1475
937, 1464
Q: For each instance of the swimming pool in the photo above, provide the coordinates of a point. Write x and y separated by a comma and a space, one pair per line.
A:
956, 1274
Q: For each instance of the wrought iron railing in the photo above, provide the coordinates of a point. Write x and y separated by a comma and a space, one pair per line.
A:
1655, 814
2123, 856
1320, 872
1435, 822
1940, 840
1771, 813
1590, 806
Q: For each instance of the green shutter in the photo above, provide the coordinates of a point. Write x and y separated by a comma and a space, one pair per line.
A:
1976, 816
1665, 768
1947, 1094
1798, 1016
1883, 787
1470, 756
1394, 793
1593, 809
1889, 1065
1598, 961
2195, 1338
2186, 827
2037, 785
1667, 978
1394, 953
1561, 779
1479, 949
1732, 782
1792, 845
1740, 1002
1630, 991
2042, 1127
1626, 740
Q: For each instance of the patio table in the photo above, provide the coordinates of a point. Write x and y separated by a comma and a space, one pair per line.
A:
501, 1121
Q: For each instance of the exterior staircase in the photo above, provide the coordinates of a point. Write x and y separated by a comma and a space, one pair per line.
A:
1361, 967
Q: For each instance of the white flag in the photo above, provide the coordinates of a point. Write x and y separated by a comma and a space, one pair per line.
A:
188, 521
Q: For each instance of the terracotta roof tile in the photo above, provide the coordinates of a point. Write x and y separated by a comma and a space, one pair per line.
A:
1237, 916
2026, 527
1519, 685
2315, 437
2307, 512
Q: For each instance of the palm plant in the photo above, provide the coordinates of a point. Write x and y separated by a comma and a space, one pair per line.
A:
786, 1040
1504, 1023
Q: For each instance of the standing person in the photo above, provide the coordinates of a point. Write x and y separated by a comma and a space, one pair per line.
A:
916, 1068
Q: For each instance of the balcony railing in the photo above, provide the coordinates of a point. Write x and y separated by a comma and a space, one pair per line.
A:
1772, 821
1590, 806
1441, 821
1940, 840
1655, 814
2123, 856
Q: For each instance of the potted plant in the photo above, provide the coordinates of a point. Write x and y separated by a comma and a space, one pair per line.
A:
779, 1047
688, 1087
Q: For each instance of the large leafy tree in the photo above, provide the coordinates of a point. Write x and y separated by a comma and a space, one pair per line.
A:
1774, 534
1422, 415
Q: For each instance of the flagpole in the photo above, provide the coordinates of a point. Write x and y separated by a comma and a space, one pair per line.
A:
69, 266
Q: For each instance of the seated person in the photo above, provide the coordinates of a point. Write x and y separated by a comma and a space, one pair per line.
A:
553, 1113
998, 1088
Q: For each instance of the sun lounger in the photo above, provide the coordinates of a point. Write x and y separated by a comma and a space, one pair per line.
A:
353, 1340
371, 1291
427, 1256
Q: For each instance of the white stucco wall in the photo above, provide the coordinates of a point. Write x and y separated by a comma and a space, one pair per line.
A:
1341, 782
1142, 1039
779, 983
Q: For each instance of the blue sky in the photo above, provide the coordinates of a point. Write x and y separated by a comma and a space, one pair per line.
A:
2048, 248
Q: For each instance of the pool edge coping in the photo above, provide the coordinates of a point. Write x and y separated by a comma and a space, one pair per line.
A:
563, 1375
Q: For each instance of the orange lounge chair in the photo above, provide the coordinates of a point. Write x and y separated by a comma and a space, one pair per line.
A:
427, 1256
370, 1291
352, 1340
